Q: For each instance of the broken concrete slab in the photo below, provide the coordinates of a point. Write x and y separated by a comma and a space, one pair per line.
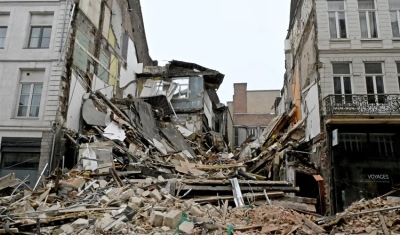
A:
156, 195
186, 227
156, 218
172, 219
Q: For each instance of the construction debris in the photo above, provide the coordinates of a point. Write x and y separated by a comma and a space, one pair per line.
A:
141, 172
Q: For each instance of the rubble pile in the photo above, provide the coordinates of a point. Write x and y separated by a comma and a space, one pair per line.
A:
375, 216
140, 172
84, 205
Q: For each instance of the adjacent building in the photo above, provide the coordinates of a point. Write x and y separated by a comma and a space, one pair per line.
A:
342, 85
250, 112
51, 54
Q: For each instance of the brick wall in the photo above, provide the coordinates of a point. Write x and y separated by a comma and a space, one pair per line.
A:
240, 97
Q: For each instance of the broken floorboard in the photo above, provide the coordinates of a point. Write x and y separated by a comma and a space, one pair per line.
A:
217, 188
224, 182
230, 198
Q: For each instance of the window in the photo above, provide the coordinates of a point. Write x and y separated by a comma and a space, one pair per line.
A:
394, 7
353, 142
374, 82
383, 144
29, 100
20, 153
337, 18
3, 33
398, 73
40, 37
182, 91
368, 24
342, 83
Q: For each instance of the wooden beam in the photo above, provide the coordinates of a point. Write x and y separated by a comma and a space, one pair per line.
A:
230, 198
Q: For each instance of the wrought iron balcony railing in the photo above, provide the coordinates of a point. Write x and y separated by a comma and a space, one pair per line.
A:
365, 104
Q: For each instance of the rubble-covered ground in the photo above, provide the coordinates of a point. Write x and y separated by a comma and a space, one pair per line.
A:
101, 207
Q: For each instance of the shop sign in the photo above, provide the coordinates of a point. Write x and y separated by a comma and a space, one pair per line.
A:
376, 178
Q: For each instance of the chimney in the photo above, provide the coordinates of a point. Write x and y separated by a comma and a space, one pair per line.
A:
240, 97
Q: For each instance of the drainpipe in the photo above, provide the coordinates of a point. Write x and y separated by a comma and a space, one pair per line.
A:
63, 27
52, 149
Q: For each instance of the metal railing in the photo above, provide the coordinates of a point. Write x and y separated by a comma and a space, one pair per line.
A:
362, 104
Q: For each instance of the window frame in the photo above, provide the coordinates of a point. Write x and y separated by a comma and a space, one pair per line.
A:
377, 96
337, 20
179, 88
40, 36
5, 36
341, 76
366, 11
398, 73
397, 10
29, 106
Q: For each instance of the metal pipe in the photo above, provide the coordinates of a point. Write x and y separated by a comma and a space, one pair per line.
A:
66, 39
52, 152
41, 175
63, 163
63, 28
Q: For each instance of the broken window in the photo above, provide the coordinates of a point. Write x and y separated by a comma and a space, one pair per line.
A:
367, 15
337, 18
40, 37
394, 7
182, 90
29, 100
3, 33
342, 83
374, 82
20, 153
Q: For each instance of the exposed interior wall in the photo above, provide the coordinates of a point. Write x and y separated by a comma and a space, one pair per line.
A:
208, 109
75, 102
311, 112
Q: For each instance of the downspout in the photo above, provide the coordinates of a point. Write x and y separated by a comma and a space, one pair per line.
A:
52, 150
69, 26
63, 27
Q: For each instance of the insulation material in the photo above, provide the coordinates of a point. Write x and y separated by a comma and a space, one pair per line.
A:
106, 22
76, 93
92, 9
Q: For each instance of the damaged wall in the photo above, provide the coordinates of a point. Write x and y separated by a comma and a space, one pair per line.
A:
311, 112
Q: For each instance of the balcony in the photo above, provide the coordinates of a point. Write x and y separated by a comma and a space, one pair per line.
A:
362, 105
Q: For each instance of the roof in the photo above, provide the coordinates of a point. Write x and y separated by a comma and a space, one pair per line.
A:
213, 77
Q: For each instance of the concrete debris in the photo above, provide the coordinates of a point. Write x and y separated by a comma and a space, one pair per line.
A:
186, 227
126, 182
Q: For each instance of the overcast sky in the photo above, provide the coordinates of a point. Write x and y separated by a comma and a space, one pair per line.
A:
242, 39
